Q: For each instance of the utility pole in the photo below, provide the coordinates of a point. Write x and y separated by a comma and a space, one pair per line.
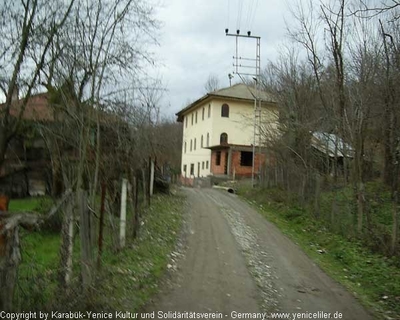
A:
254, 64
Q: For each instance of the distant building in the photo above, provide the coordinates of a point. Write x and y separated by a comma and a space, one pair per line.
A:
33, 162
331, 150
218, 132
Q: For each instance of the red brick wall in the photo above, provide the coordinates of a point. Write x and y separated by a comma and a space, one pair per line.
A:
221, 168
235, 163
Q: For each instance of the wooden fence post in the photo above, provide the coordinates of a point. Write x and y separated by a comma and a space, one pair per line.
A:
85, 233
144, 187
101, 224
317, 195
149, 183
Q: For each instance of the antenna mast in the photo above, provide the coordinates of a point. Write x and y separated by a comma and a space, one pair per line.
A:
251, 67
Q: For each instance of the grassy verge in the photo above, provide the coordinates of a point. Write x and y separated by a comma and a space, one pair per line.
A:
127, 278
373, 278
131, 276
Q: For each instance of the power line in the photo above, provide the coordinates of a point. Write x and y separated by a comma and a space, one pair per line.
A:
254, 15
239, 17
229, 12
249, 14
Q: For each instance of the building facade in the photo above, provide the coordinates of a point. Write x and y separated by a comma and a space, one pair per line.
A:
218, 133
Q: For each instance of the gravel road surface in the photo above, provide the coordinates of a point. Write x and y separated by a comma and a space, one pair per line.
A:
236, 264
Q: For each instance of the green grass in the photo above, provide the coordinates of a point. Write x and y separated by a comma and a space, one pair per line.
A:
27, 204
128, 277
132, 275
373, 278
39, 258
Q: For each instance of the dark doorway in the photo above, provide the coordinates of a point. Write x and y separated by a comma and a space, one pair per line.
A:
226, 163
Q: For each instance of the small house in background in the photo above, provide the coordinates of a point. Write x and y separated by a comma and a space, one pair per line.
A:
218, 133
33, 162
330, 148
26, 169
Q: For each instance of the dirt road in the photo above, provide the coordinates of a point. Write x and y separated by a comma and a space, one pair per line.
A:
238, 264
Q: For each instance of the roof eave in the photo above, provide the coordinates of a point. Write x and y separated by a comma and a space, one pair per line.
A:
194, 104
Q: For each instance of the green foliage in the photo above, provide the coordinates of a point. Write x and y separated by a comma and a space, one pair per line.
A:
374, 278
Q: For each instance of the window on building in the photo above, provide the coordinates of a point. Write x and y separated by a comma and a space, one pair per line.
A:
194, 143
185, 147
191, 145
225, 111
207, 164
195, 117
192, 118
192, 169
202, 114
246, 158
184, 168
218, 158
208, 139
209, 110
223, 139
202, 165
186, 121
201, 142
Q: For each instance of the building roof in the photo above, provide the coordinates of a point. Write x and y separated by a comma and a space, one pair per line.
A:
330, 144
239, 91
37, 108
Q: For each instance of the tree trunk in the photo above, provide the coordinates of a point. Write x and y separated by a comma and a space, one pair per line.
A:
67, 244
395, 224
316, 196
334, 211
360, 207
3, 145
10, 258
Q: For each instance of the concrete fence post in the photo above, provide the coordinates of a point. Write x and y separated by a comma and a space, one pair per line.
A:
151, 177
122, 225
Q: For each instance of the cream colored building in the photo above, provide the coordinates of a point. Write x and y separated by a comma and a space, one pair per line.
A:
218, 131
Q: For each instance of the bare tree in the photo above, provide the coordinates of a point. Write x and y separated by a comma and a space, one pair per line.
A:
212, 83
27, 39
391, 100
387, 6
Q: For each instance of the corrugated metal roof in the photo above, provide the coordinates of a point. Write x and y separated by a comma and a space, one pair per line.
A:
329, 142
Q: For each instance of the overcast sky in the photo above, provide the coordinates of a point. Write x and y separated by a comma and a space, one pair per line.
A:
193, 44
